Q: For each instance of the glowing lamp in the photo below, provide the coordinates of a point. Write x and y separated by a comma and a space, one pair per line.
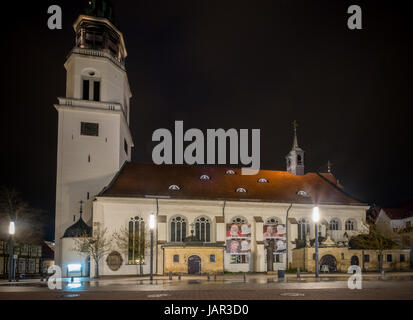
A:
12, 228
152, 222
316, 214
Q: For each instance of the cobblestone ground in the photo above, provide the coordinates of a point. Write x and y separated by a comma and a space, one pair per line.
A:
255, 287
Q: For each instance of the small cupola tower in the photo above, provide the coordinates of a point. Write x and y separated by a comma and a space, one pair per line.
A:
295, 158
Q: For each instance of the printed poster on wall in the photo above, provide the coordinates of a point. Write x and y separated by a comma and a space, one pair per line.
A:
277, 233
238, 246
238, 230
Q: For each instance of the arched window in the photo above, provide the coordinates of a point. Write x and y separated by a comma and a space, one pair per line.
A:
136, 245
273, 220
242, 190
178, 229
350, 225
204, 177
262, 180
239, 220
174, 187
203, 229
230, 172
334, 224
303, 228
299, 159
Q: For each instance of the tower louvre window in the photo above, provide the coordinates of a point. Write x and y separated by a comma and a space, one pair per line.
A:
125, 146
85, 89
89, 129
96, 90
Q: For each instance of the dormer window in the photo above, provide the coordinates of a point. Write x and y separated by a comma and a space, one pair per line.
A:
303, 193
230, 172
262, 180
174, 187
243, 190
204, 177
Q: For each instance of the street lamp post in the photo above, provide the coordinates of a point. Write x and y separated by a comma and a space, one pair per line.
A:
11, 251
151, 227
316, 218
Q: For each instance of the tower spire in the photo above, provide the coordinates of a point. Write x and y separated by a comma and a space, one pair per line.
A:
295, 143
295, 158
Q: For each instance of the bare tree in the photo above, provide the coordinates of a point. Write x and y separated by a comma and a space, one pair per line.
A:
29, 221
96, 246
127, 242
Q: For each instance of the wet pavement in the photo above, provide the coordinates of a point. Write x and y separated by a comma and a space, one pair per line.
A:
393, 286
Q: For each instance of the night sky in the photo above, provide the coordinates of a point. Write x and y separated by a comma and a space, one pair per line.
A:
227, 64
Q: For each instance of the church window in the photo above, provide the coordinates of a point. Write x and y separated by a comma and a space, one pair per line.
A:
303, 229
239, 258
272, 220
176, 257
96, 90
203, 229
242, 190
239, 220
89, 129
136, 243
230, 172
212, 258
299, 159
350, 225
85, 89
262, 180
178, 229
334, 224
174, 187
88, 195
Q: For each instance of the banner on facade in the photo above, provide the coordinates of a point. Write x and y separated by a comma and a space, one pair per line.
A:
238, 246
238, 230
275, 231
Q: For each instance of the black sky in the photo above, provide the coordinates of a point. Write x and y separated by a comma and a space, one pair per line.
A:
228, 64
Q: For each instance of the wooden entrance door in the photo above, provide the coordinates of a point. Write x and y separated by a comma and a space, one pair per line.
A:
194, 265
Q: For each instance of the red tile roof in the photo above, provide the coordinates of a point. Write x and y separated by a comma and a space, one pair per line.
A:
140, 180
398, 213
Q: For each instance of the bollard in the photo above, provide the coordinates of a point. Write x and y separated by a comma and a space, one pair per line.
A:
298, 273
215, 277
170, 275
179, 276
208, 276
245, 277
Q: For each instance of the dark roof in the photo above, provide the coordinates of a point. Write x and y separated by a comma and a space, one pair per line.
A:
47, 252
397, 213
150, 180
78, 229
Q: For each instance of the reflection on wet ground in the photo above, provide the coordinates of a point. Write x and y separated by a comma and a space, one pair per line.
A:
224, 283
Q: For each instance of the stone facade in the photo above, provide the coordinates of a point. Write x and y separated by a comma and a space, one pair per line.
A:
176, 259
304, 258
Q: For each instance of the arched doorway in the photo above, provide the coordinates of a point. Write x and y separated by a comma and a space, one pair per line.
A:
329, 261
355, 261
194, 265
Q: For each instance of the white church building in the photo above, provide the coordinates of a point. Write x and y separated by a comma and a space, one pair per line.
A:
208, 219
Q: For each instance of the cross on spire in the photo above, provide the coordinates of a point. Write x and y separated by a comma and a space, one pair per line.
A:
81, 202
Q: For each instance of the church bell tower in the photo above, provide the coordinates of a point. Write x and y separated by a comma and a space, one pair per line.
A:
295, 158
94, 139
